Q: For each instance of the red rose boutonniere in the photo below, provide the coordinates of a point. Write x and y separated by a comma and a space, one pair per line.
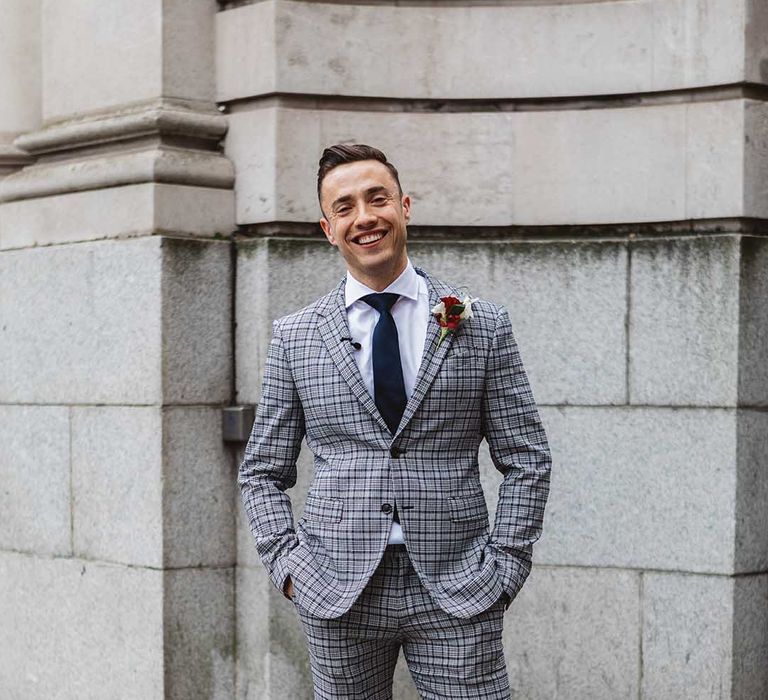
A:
450, 313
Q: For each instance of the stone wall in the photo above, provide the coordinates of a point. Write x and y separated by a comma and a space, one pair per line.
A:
601, 168
117, 532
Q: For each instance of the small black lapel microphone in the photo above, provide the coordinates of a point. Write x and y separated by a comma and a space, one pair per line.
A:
353, 343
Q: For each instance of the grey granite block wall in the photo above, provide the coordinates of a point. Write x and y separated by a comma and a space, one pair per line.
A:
598, 167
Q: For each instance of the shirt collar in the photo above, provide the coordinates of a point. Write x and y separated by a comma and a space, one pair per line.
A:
406, 285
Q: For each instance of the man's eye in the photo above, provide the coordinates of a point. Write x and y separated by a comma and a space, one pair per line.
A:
379, 200
342, 211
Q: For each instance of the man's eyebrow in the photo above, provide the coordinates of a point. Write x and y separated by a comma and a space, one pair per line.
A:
348, 197
376, 189
341, 200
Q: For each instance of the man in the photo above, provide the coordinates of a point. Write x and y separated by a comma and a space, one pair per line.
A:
393, 548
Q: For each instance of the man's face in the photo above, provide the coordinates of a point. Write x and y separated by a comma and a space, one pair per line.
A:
365, 218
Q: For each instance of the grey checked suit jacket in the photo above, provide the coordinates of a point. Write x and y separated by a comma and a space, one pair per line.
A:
472, 386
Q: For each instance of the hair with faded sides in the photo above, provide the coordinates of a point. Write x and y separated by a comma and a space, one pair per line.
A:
340, 154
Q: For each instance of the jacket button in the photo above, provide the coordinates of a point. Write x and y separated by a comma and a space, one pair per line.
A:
395, 451
386, 508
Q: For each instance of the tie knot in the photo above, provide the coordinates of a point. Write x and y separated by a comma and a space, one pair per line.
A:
383, 301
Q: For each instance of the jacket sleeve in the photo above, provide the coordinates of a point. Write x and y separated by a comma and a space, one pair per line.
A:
269, 465
519, 449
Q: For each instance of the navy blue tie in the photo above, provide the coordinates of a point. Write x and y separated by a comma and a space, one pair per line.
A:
388, 384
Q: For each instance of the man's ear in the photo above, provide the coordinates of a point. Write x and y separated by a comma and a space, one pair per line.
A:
406, 203
327, 230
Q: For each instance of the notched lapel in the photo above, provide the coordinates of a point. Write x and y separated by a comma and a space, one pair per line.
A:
333, 326
433, 356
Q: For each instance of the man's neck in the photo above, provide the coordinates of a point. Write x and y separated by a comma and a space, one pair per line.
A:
380, 282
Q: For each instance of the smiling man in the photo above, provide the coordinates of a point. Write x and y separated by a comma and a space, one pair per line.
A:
365, 215
394, 550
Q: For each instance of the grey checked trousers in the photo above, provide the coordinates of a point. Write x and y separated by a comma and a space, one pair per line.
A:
353, 657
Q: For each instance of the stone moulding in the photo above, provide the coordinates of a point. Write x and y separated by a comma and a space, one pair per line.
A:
158, 164
154, 143
12, 158
155, 119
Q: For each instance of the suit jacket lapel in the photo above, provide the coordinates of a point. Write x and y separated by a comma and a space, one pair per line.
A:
333, 326
432, 356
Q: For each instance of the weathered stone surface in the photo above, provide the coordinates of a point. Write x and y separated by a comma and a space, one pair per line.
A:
403, 685
82, 39
753, 323
35, 479
198, 474
130, 51
76, 217
176, 166
89, 337
246, 48
256, 165
574, 633
756, 22
445, 51
253, 321
684, 316
110, 324
656, 163
714, 146
253, 642
135, 210
199, 633
166, 473
79, 629
197, 211
11, 159
687, 629
750, 638
641, 487
188, 43
272, 650
162, 116
289, 672
117, 483
567, 302
197, 321
756, 153
751, 547
19, 67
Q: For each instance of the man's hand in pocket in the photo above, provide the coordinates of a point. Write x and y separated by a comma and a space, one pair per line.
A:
288, 588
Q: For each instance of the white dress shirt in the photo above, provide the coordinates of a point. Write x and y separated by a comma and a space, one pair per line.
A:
411, 315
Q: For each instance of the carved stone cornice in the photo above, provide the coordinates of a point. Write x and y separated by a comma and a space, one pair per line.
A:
157, 118
12, 158
162, 141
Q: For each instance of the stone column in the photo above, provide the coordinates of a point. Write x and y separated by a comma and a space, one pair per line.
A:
601, 169
19, 78
117, 533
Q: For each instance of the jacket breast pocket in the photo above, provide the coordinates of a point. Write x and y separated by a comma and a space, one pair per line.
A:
468, 508
463, 350
323, 509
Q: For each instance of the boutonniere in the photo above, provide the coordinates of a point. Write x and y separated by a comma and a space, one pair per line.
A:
451, 313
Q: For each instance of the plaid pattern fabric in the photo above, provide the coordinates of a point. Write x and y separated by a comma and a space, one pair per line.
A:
472, 386
354, 656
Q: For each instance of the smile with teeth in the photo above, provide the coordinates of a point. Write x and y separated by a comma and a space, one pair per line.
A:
370, 238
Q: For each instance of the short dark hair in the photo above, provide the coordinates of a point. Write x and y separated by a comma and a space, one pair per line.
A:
343, 153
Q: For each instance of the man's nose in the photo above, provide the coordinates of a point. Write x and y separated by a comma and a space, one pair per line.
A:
366, 217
